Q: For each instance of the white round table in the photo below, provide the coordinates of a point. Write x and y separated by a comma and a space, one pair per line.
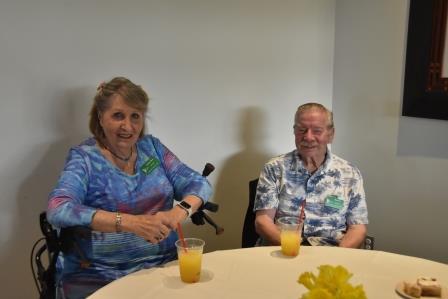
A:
262, 272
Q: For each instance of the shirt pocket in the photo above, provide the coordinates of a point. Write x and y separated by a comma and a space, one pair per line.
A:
334, 205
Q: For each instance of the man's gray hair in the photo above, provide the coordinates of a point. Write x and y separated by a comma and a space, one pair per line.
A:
317, 106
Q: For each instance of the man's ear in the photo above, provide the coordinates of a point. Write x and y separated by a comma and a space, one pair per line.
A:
331, 135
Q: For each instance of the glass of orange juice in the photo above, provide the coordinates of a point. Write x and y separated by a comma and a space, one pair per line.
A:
189, 255
290, 235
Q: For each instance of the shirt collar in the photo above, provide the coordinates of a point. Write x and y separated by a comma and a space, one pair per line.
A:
298, 163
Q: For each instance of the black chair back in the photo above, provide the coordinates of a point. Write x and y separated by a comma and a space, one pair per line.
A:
249, 235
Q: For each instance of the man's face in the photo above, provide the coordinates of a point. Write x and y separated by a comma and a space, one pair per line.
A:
312, 133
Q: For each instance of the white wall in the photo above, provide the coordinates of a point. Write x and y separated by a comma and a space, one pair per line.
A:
403, 160
225, 79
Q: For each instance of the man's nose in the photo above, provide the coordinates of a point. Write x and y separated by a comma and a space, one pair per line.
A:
309, 135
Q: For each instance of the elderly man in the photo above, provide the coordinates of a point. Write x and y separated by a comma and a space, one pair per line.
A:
329, 188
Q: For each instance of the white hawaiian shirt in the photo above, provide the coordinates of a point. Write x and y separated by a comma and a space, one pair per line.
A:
334, 195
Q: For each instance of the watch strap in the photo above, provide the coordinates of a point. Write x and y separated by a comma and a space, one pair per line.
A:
186, 207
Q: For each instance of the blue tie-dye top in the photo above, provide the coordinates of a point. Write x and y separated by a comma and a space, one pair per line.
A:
90, 182
334, 194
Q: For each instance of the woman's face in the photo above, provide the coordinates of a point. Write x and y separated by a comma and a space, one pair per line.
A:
121, 124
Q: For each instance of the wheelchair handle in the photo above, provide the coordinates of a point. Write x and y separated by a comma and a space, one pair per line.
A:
200, 217
218, 229
208, 168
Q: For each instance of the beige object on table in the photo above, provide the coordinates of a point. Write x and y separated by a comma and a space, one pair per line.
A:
263, 272
430, 286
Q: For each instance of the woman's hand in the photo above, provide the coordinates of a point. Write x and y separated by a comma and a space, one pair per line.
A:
153, 228
177, 214
173, 217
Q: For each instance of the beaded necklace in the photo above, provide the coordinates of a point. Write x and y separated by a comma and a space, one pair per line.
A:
125, 159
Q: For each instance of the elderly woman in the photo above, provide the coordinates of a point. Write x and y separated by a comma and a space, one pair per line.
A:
120, 185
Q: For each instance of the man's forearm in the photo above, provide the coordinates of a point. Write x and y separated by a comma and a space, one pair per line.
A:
266, 228
354, 237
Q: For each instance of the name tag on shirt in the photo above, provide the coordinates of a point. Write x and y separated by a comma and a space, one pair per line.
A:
151, 164
333, 201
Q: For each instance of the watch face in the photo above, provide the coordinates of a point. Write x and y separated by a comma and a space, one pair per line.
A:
185, 204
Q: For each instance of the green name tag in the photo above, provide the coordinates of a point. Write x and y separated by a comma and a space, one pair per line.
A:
150, 165
333, 201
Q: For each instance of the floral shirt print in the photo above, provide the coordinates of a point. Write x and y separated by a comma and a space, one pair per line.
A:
90, 182
334, 195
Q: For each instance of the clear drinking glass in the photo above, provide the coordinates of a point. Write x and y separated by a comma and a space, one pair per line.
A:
190, 259
290, 235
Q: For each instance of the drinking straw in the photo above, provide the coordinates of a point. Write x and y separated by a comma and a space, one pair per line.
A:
181, 236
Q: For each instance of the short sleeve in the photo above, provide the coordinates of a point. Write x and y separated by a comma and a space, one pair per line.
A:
357, 209
267, 193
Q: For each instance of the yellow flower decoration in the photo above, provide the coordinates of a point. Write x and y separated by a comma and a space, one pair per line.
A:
331, 283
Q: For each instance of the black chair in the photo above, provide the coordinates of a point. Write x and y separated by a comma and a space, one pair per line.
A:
250, 236
51, 245
369, 242
44, 271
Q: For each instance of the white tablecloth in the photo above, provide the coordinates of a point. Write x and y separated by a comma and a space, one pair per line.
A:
262, 272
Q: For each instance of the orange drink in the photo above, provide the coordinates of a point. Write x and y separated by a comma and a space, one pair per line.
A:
290, 241
190, 265
290, 235
190, 259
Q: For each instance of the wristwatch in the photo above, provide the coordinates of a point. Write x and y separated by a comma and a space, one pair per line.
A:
186, 207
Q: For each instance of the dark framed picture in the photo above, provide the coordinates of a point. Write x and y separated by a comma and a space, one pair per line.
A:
425, 92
